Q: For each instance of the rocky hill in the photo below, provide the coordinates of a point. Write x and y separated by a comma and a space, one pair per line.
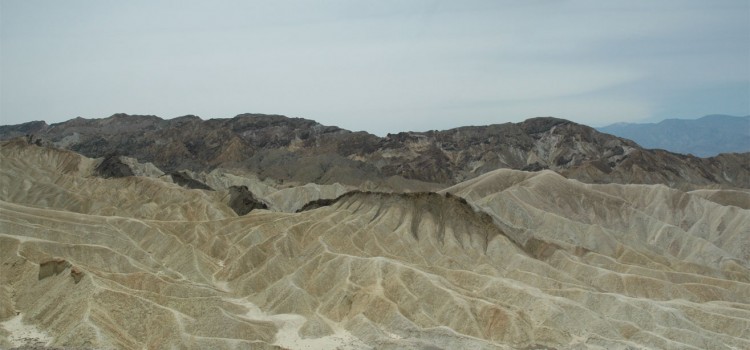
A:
303, 151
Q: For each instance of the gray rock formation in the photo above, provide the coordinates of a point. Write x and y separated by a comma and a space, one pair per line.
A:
112, 166
242, 200
300, 151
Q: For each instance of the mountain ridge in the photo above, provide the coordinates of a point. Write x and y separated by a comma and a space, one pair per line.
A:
302, 151
704, 137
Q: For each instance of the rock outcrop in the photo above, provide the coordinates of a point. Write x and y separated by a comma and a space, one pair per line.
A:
112, 166
52, 267
242, 201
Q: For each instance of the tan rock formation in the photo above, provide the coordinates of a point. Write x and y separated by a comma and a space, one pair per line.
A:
507, 260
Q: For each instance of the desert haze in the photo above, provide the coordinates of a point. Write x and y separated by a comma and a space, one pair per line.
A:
128, 233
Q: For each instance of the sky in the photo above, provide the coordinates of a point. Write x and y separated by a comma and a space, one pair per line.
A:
379, 66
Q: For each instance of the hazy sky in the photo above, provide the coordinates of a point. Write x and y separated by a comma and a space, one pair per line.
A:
380, 66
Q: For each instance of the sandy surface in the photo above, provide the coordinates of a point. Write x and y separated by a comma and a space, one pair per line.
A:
288, 336
22, 334
289, 326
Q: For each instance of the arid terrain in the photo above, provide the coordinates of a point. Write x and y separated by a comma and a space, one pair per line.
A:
301, 151
266, 232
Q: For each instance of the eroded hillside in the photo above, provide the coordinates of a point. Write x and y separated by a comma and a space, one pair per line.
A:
507, 260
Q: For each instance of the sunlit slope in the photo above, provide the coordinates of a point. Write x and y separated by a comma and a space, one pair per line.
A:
526, 260
63, 180
140, 287
737, 198
662, 224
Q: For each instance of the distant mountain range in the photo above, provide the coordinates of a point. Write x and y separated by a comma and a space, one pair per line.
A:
703, 137
295, 150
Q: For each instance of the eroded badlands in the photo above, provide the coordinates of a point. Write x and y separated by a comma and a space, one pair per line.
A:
507, 260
